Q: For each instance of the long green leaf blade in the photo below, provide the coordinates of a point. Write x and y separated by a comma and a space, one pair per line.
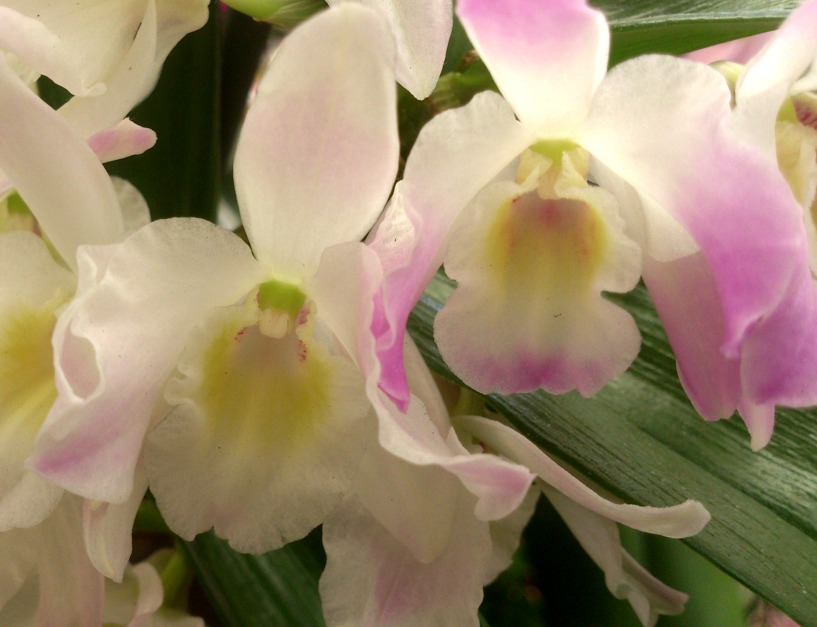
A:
641, 439
277, 588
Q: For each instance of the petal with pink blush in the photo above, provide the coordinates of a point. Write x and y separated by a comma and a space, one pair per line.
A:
372, 579
318, 152
546, 57
737, 50
123, 140
396, 493
131, 73
528, 310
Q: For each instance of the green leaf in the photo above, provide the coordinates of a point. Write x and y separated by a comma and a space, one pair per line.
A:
180, 175
679, 26
641, 439
276, 588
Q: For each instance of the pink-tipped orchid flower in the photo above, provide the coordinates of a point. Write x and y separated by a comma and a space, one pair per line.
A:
499, 191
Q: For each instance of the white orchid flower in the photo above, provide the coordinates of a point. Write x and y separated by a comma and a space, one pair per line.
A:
255, 359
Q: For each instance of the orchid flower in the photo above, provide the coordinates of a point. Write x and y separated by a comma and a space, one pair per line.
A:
107, 55
498, 189
251, 380
74, 201
263, 405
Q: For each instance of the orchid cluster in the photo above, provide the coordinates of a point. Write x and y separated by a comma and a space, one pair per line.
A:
263, 386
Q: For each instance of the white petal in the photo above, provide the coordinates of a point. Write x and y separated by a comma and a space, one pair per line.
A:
400, 496
546, 57
131, 74
678, 521
506, 535
371, 579
69, 589
119, 340
318, 152
421, 30
54, 171
265, 436
136, 598
135, 211
107, 529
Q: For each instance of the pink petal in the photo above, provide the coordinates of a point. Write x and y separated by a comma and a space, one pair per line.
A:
546, 57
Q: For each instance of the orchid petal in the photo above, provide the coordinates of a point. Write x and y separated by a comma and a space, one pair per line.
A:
694, 326
678, 521
54, 171
344, 305
414, 436
107, 529
318, 151
132, 74
114, 355
456, 154
506, 535
528, 311
121, 608
546, 57
33, 287
625, 578
44, 51
386, 484
135, 211
125, 139
421, 31
265, 435
737, 50
745, 220
19, 559
371, 579
768, 77
71, 590
500, 486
